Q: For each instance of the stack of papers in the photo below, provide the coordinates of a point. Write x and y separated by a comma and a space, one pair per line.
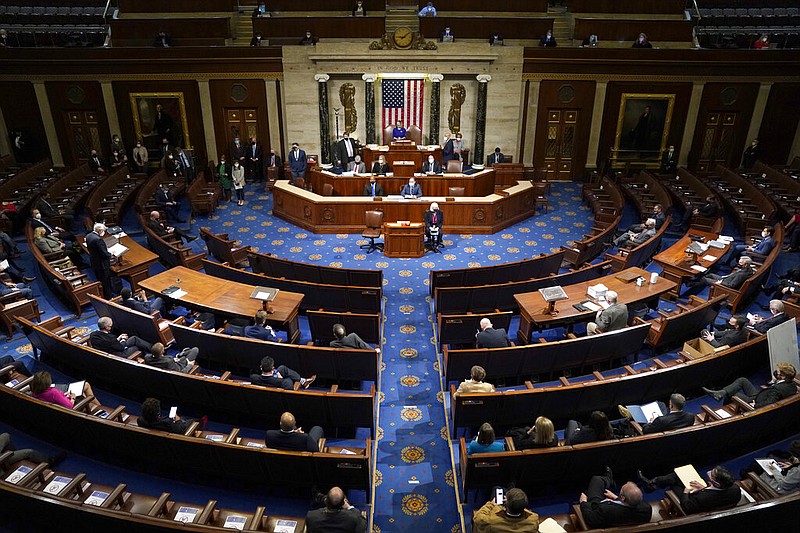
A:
551, 526
687, 474
770, 466
698, 268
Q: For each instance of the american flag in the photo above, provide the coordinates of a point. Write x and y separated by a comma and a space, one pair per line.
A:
402, 100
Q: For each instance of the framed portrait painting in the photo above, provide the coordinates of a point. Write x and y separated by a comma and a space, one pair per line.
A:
160, 115
643, 127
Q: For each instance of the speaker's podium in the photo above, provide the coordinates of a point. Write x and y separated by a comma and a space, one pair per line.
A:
403, 239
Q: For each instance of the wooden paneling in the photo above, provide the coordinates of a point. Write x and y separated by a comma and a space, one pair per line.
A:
625, 29
21, 113
290, 29
184, 31
627, 6
562, 96
176, 6
735, 100
194, 115
246, 96
84, 98
373, 7
682, 92
480, 6
482, 27
779, 124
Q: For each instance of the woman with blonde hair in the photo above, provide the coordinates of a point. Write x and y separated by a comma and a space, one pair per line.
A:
541, 435
50, 244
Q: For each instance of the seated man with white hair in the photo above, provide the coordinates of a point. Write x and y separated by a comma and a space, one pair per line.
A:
614, 317
162, 230
488, 337
632, 240
434, 219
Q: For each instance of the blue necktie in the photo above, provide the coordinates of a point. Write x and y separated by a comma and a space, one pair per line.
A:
373, 189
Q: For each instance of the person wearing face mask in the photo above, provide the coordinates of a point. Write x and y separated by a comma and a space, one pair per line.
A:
50, 229
411, 189
297, 163
373, 188
140, 157
357, 165
224, 176
96, 163
237, 173
431, 166
751, 154
764, 247
118, 160
642, 42
116, 144
380, 166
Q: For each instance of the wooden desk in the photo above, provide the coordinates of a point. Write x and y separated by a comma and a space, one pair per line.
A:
228, 298
677, 263
532, 305
134, 264
403, 241
400, 152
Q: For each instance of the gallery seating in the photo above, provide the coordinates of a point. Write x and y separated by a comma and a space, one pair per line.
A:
223, 249
749, 206
316, 295
684, 323
366, 325
145, 198
641, 254
14, 305
221, 398
691, 193
784, 190
278, 267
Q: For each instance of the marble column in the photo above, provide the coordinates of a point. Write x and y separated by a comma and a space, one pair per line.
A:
5, 141
324, 120
433, 137
480, 119
758, 110
597, 123
369, 115
208, 115
49, 128
691, 123
111, 110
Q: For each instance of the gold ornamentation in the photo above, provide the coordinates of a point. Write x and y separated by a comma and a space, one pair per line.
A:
458, 93
347, 96
402, 39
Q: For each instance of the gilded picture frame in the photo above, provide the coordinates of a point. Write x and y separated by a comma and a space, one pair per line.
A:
173, 123
642, 128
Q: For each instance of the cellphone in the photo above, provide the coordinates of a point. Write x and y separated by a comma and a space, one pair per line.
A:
173, 411
498, 496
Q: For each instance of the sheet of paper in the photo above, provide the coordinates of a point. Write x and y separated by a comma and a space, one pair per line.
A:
592, 306
186, 514
723, 413
698, 268
180, 293
345, 451
550, 526
17, 475
651, 410
173, 411
709, 257
235, 522
97, 498
255, 445
262, 295
687, 474
215, 438
117, 250
285, 526
76, 388
57, 484
3, 264
604, 304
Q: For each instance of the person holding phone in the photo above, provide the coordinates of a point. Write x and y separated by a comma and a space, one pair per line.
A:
510, 513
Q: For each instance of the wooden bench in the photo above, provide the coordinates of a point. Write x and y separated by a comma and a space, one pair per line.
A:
749, 206
684, 323
456, 330
13, 306
145, 201
171, 250
278, 267
640, 255
151, 328
68, 283
779, 186
607, 203
317, 295
223, 249
109, 197
203, 196
366, 325
222, 398
688, 191
71, 190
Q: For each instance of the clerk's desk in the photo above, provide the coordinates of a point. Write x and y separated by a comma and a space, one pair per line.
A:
346, 214
349, 184
400, 151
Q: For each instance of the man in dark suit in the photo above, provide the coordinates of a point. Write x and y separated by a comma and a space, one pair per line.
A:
669, 161
255, 160
141, 304
345, 150
373, 188
781, 386
762, 247
751, 154
448, 148
275, 161
291, 437
431, 166
709, 209
357, 165
238, 151
602, 508
632, 240
183, 362
381, 167
96, 163
186, 161
162, 230
614, 317
56, 231
734, 280
677, 418
495, 158
100, 259
657, 215
411, 189
162, 123
434, 218
762, 325
731, 336
337, 516
165, 150
352, 340
49, 212
488, 337
298, 163
261, 330
720, 492
165, 201
123, 345
281, 377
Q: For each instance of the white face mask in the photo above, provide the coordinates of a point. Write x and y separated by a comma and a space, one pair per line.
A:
37, 216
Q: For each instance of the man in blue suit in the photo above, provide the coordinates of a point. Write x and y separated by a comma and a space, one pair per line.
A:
761, 248
297, 163
261, 330
411, 189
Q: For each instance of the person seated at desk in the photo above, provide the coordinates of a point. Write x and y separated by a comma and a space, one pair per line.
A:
734, 280
720, 492
548, 40
601, 508
763, 247
162, 230
357, 166
762, 325
8, 287
476, 382
642, 42
261, 330
122, 345
657, 215
788, 479
590, 41
399, 132
496, 157
732, 335
291, 437
336, 515
183, 362
431, 166
359, 10
614, 317
488, 337
282, 377
447, 36
485, 441
151, 419
352, 340
633, 239
49, 244
42, 388
513, 515
380, 167
428, 10
411, 189
709, 209
781, 386
167, 202
52, 213
309, 39
789, 285
597, 429
496, 39
140, 303
373, 188
434, 218
541, 434
677, 418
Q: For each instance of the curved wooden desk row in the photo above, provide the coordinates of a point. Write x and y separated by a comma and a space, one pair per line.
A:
221, 398
751, 208
574, 398
31, 503
145, 202
345, 214
106, 201
783, 189
645, 191
606, 202
118, 439
478, 184
278, 267
712, 438
540, 266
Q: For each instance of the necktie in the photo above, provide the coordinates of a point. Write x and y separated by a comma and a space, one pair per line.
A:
433, 218
373, 189
272, 161
183, 158
349, 148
